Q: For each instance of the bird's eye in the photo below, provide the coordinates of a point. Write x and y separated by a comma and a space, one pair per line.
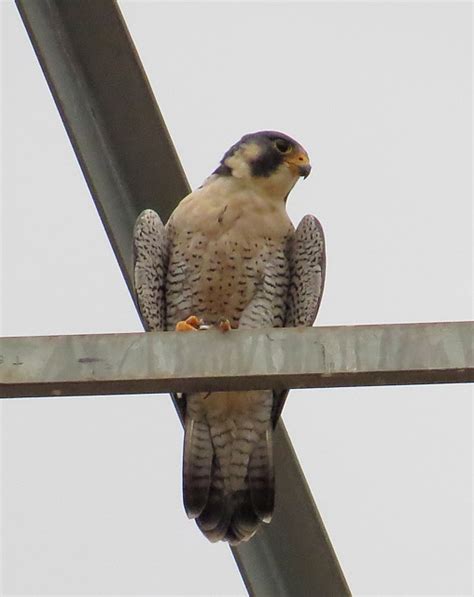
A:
282, 146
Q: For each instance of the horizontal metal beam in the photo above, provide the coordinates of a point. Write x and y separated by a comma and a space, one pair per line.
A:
241, 359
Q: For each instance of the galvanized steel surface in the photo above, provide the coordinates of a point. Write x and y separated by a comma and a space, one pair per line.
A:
242, 359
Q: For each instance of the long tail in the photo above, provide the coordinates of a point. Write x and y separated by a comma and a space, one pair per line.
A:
228, 479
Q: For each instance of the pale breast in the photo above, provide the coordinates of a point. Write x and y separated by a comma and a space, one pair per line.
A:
220, 247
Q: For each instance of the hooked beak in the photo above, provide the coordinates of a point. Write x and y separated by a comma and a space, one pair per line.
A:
304, 170
299, 163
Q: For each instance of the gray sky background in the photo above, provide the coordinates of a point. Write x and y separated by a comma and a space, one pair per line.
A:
380, 95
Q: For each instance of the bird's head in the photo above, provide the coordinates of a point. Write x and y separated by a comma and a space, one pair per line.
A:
269, 160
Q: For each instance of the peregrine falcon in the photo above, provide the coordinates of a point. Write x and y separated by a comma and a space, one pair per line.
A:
229, 257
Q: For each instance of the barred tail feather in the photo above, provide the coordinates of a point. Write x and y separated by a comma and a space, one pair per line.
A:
229, 517
197, 466
223, 512
228, 477
261, 477
216, 516
245, 521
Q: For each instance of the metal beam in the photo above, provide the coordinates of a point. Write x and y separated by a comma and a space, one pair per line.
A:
129, 162
109, 112
238, 360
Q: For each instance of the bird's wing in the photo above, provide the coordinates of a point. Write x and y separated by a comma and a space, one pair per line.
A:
150, 264
307, 257
307, 270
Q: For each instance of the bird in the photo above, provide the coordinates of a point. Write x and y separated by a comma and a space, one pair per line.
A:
230, 258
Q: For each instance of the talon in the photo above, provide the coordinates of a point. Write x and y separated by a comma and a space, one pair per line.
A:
182, 326
191, 324
195, 321
224, 325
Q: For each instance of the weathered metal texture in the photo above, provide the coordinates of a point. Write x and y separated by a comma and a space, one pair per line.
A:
129, 162
242, 359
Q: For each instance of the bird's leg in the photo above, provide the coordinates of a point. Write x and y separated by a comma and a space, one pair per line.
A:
191, 324
224, 325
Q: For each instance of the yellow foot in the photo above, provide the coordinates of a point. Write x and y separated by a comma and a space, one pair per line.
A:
192, 323
224, 325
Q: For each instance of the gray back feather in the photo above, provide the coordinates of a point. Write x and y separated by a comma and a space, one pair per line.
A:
150, 264
307, 270
307, 257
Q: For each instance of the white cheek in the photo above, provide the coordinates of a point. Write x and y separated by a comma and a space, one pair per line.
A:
240, 168
240, 162
251, 152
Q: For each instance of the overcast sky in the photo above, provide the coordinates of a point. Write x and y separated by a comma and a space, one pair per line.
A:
380, 96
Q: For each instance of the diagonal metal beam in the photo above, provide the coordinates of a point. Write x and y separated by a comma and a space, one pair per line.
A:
129, 163
109, 112
239, 360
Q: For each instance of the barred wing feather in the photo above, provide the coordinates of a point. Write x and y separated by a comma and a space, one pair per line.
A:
150, 263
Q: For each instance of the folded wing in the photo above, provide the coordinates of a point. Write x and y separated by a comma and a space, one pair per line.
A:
150, 263
307, 271
307, 257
